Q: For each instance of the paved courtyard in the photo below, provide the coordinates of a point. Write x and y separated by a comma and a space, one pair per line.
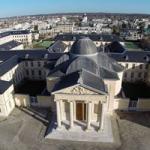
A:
24, 130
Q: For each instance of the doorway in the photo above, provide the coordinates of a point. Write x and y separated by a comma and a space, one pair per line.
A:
81, 111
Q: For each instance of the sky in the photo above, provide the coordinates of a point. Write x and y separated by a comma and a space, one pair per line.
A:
29, 7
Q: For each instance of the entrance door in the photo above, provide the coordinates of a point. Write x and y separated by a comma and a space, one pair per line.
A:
80, 111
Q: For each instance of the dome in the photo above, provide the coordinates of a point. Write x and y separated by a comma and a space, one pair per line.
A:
83, 46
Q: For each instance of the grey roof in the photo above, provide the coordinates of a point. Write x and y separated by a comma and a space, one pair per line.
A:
92, 82
4, 85
57, 47
17, 32
30, 54
84, 79
82, 62
9, 45
132, 56
115, 47
83, 46
87, 70
93, 37
8, 64
99, 64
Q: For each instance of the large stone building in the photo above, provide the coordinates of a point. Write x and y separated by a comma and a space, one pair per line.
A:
84, 85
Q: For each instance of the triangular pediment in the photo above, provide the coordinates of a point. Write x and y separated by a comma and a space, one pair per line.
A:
76, 90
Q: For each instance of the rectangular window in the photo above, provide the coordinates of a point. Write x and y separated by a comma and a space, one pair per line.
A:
146, 66
141, 66
31, 64
126, 66
139, 75
39, 64
27, 72
132, 75
145, 75
32, 72
26, 64
133, 66
40, 72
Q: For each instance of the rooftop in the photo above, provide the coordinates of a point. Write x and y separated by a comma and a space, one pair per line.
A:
83, 46
93, 37
9, 45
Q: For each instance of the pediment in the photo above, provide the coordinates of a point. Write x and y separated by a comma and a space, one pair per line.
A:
77, 90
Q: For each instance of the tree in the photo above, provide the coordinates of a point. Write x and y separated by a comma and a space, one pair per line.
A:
116, 30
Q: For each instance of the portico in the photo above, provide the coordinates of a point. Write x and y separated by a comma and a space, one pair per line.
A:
85, 111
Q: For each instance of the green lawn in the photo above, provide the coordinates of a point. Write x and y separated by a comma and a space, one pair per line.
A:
42, 44
131, 45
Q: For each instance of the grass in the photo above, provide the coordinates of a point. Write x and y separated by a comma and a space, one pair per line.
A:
42, 44
131, 45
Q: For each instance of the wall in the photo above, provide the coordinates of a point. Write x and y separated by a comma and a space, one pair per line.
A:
143, 105
7, 102
22, 100
121, 104
46, 101
134, 68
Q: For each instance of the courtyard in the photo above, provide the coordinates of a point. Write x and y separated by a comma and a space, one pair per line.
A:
25, 129
31, 87
136, 90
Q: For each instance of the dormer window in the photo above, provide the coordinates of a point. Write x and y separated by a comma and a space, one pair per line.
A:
126, 57
26, 56
147, 58
46, 56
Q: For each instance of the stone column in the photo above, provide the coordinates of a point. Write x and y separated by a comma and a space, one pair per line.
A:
58, 113
101, 123
71, 115
89, 116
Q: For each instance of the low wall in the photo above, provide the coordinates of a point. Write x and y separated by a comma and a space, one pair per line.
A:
121, 103
45, 101
22, 100
143, 104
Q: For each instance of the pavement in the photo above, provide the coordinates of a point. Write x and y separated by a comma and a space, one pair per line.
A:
25, 130
78, 134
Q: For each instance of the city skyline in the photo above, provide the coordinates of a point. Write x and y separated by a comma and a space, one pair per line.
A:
31, 7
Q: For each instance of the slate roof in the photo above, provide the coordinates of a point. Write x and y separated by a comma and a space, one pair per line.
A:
87, 70
57, 47
132, 56
84, 79
115, 47
30, 54
83, 46
8, 64
99, 63
93, 37
4, 85
9, 45
17, 32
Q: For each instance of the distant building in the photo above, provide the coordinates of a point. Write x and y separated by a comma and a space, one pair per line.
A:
23, 36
